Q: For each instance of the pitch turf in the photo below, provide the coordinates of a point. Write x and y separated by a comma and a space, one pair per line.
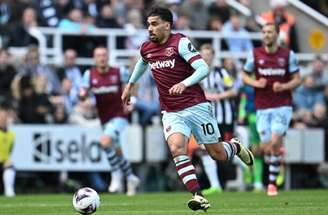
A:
303, 202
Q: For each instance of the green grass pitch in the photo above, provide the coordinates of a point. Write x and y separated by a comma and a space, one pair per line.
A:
302, 202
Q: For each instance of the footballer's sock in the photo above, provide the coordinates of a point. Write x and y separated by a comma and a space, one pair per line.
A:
186, 172
274, 168
118, 161
231, 149
9, 181
211, 170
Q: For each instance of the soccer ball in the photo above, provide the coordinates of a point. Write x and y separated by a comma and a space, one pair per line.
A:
86, 200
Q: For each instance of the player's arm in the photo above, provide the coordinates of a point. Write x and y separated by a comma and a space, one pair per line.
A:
192, 56
295, 80
248, 69
139, 69
85, 86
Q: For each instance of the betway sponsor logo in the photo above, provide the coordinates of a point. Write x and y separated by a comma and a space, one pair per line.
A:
163, 64
271, 71
104, 89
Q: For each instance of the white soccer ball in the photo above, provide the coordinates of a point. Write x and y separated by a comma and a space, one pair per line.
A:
86, 200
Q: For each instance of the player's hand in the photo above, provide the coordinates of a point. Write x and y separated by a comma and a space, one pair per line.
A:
177, 89
278, 87
261, 83
126, 94
83, 94
211, 96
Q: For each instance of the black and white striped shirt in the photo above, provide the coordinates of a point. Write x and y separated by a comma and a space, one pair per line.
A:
219, 80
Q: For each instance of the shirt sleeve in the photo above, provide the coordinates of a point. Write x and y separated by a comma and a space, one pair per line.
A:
249, 65
86, 79
293, 65
139, 69
187, 51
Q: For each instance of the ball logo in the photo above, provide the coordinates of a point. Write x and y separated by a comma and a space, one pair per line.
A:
261, 61
94, 81
169, 51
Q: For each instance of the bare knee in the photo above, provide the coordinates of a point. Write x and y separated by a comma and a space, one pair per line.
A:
177, 144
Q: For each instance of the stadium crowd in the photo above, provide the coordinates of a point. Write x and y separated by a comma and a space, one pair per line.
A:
48, 94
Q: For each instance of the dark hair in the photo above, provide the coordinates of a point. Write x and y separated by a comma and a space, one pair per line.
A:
276, 27
163, 12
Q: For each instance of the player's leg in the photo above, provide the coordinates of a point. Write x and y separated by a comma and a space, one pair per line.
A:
176, 133
8, 176
110, 142
280, 122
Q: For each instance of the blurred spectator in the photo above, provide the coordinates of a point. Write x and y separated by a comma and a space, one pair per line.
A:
72, 73
197, 13
182, 22
33, 107
47, 13
106, 18
306, 96
134, 24
33, 67
89, 7
319, 5
221, 9
7, 74
5, 15
75, 22
233, 27
319, 116
286, 22
214, 24
84, 113
63, 7
19, 35
319, 73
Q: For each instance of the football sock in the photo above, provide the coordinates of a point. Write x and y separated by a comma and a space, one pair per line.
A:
9, 180
186, 172
230, 149
274, 168
118, 161
211, 170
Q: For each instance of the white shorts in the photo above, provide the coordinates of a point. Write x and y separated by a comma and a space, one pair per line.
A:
198, 120
114, 128
273, 120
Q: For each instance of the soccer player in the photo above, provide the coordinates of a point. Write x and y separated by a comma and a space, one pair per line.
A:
7, 139
106, 83
276, 75
177, 68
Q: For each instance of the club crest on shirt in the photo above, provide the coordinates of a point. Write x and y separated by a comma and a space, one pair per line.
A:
113, 79
94, 81
261, 61
169, 51
281, 61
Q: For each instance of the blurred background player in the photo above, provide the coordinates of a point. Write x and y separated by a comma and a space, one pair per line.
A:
106, 83
277, 74
178, 68
7, 139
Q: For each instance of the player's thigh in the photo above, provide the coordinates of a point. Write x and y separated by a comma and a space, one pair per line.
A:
281, 118
203, 124
114, 127
173, 122
263, 125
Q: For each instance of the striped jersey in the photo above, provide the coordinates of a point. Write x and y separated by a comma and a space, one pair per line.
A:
218, 81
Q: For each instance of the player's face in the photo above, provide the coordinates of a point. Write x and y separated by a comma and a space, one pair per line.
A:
269, 35
100, 56
157, 29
